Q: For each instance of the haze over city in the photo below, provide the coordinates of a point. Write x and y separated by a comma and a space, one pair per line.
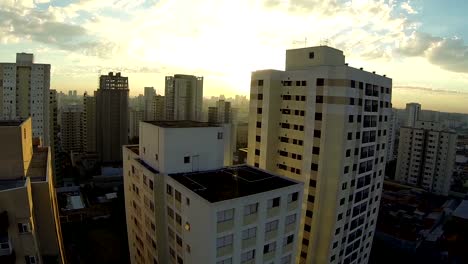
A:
225, 41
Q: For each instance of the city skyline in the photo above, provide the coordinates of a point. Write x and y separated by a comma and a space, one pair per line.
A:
82, 40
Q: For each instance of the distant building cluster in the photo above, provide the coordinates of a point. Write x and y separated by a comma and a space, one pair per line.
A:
296, 173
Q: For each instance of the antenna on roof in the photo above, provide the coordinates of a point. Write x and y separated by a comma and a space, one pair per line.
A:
300, 42
324, 42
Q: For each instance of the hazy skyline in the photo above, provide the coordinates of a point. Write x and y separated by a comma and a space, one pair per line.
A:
421, 45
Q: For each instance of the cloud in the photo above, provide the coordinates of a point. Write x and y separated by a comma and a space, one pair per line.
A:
43, 27
408, 8
430, 90
449, 54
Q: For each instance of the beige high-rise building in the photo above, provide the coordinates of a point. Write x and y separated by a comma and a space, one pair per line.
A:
29, 218
136, 116
184, 97
324, 123
89, 124
183, 206
149, 95
111, 116
24, 92
72, 132
426, 156
221, 113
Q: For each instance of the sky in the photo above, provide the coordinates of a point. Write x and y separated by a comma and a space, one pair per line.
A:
420, 44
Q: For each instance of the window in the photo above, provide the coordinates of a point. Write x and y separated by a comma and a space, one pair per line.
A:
320, 81
247, 256
319, 99
313, 183
259, 110
260, 82
257, 152
316, 150
225, 261
30, 259
258, 138
178, 196
151, 184
288, 240
259, 124
24, 228
224, 241
186, 159
187, 201
269, 248
170, 212
178, 219
290, 219
348, 152
179, 241
226, 215
271, 226
260, 97
311, 55
314, 167
249, 233
318, 116
350, 118
292, 197
311, 198
220, 135
286, 260
317, 133
275, 202
251, 209
169, 189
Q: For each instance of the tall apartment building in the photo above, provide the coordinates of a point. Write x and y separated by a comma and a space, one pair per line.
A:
149, 95
221, 113
89, 123
154, 108
324, 123
111, 116
72, 132
184, 97
136, 116
29, 219
413, 110
182, 206
392, 128
54, 140
426, 156
24, 92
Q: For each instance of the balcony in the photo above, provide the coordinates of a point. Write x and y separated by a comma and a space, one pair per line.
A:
5, 245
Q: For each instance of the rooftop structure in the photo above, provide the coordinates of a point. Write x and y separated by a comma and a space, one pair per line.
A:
181, 124
231, 182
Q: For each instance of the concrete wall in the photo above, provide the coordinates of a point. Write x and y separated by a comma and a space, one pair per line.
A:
16, 154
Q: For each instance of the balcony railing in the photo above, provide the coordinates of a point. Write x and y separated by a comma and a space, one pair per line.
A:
5, 245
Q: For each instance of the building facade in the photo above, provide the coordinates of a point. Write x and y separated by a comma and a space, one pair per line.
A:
89, 123
55, 144
24, 92
325, 124
111, 117
182, 206
413, 110
72, 132
29, 217
221, 113
183, 97
149, 95
136, 116
426, 156
392, 130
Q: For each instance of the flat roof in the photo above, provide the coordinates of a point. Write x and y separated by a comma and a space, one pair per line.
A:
181, 124
11, 122
231, 182
462, 210
11, 184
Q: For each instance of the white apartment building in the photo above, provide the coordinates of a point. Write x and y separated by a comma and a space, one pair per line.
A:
184, 97
325, 124
413, 111
183, 206
24, 92
426, 156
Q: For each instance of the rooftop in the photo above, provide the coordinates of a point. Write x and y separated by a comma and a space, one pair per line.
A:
11, 184
181, 124
10, 122
230, 183
462, 210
